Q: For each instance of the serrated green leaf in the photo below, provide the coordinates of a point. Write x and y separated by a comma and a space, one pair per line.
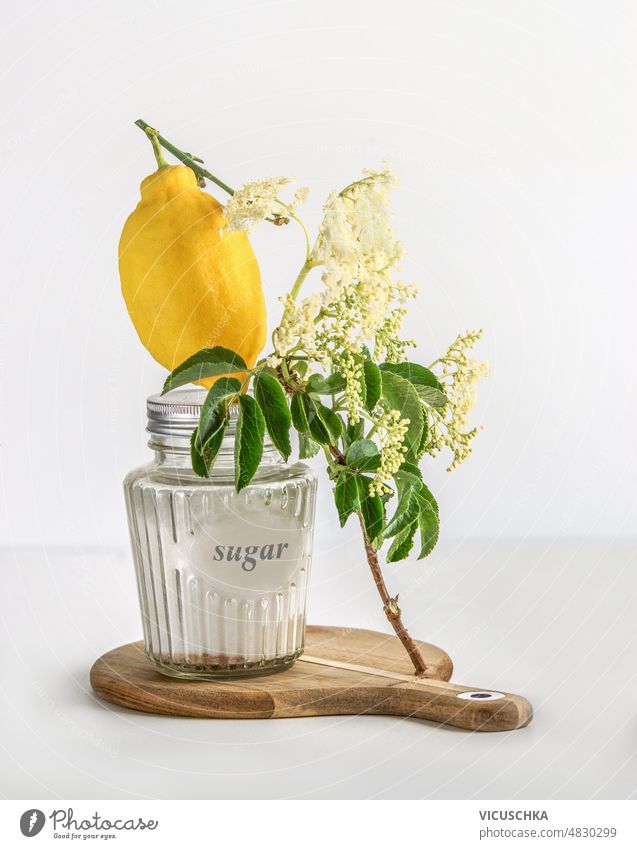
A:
353, 432
307, 447
428, 521
410, 471
317, 426
402, 544
431, 396
272, 401
406, 514
212, 444
414, 373
248, 447
205, 363
329, 419
298, 409
203, 456
214, 407
198, 465
300, 367
330, 385
324, 425
429, 532
372, 384
406, 479
372, 512
401, 395
363, 455
420, 453
348, 494
423, 493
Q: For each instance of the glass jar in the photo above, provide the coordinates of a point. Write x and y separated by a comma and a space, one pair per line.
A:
222, 575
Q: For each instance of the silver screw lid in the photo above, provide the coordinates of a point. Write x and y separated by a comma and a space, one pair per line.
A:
177, 412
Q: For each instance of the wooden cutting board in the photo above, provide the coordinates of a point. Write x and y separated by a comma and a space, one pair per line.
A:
343, 671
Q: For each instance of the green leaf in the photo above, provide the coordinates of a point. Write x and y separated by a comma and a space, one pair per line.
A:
431, 396
428, 521
307, 447
214, 407
212, 445
372, 384
372, 511
425, 436
205, 363
298, 409
248, 446
409, 471
324, 425
402, 544
271, 399
317, 426
414, 373
353, 432
406, 514
363, 455
424, 494
203, 456
401, 395
348, 494
198, 465
329, 385
328, 418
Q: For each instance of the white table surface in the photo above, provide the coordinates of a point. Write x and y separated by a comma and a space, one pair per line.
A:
553, 621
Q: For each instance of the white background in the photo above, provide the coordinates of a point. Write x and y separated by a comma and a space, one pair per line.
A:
512, 127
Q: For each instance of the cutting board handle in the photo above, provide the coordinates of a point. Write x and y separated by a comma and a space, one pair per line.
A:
464, 707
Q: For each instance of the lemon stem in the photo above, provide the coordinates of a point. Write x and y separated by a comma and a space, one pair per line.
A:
159, 141
159, 156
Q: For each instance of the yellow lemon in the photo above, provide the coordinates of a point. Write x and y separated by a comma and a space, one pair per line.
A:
187, 283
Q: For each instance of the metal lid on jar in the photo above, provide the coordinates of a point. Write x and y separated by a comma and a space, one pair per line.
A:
176, 413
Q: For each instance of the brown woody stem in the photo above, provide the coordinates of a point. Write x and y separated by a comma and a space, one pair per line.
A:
390, 606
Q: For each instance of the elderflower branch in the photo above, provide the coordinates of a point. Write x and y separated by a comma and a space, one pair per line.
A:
345, 341
306, 233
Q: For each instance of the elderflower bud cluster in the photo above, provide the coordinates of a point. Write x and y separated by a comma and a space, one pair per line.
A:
258, 200
392, 449
460, 375
352, 371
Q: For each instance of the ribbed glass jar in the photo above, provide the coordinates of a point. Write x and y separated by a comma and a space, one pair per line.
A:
222, 576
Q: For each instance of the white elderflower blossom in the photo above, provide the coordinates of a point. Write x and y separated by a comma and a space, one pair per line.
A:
297, 327
299, 197
254, 202
361, 302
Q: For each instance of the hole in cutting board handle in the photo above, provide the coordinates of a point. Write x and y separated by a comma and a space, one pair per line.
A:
480, 695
